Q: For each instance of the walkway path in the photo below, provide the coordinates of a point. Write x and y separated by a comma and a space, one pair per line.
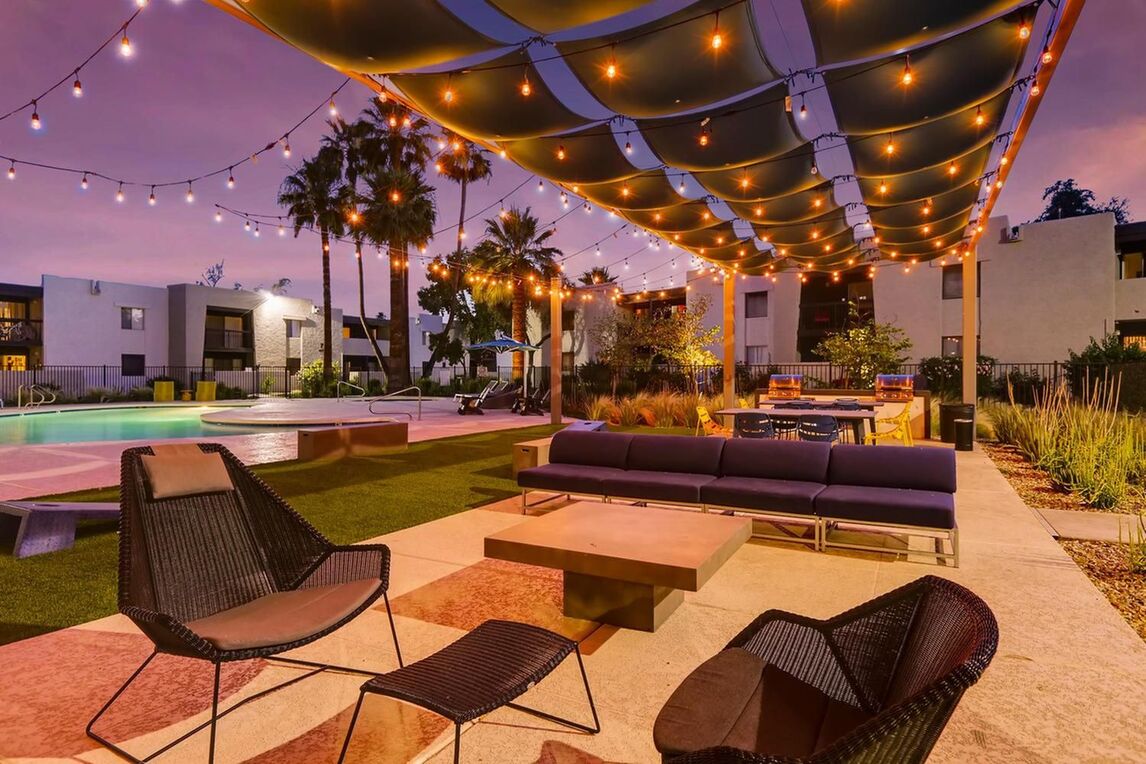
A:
1089, 526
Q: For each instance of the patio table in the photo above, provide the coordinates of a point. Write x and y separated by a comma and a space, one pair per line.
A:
854, 417
623, 565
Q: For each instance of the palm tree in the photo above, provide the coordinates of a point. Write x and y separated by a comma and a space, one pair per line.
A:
399, 210
402, 138
597, 275
514, 247
463, 165
357, 145
316, 198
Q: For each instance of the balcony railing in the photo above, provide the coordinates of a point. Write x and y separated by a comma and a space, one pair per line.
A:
21, 331
227, 339
822, 317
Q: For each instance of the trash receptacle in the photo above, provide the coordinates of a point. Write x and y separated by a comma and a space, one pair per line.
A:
163, 391
964, 434
204, 391
948, 413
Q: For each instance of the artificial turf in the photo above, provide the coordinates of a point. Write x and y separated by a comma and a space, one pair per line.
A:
348, 500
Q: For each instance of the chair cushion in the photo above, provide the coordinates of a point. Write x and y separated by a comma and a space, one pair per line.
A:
735, 699
657, 486
898, 506
186, 473
778, 459
795, 496
567, 478
918, 467
284, 617
598, 449
675, 453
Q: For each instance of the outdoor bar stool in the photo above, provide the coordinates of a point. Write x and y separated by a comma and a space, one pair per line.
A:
754, 426
486, 669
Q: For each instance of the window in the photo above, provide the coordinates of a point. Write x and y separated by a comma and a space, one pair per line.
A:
11, 309
131, 318
293, 328
345, 332
756, 305
953, 281
425, 339
756, 355
293, 365
1133, 265
132, 365
568, 363
13, 362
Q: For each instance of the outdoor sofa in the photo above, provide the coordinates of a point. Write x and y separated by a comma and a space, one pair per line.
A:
816, 485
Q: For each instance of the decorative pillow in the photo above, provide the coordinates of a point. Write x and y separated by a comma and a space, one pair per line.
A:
186, 474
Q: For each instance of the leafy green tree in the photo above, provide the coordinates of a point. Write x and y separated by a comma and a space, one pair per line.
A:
398, 211
316, 198
597, 275
1066, 199
465, 164
682, 339
624, 343
515, 247
865, 349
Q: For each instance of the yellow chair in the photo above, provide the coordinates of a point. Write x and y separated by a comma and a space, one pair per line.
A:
744, 403
705, 421
901, 428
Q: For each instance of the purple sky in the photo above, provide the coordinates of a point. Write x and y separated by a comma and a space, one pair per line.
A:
204, 90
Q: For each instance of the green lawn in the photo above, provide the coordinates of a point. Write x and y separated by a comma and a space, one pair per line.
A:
348, 500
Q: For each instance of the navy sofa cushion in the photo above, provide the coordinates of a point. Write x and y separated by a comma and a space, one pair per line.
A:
567, 478
776, 459
919, 468
676, 453
789, 496
598, 449
896, 506
652, 485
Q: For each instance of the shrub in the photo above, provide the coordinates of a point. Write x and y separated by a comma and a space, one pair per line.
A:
944, 376
603, 408
141, 393
311, 384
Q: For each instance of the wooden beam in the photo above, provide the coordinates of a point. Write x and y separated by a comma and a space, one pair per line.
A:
970, 326
555, 350
729, 341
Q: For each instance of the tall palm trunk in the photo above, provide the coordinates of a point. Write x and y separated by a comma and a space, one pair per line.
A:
327, 349
520, 308
455, 279
362, 308
399, 318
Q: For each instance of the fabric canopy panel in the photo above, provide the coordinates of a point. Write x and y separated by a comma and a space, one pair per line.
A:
679, 218
556, 15
590, 156
930, 143
841, 242
925, 249
740, 133
903, 236
779, 176
739, 251
823, 227
923, 184
369, 36
711, 238
649, 191
851, 31
683, 43
945, 77
793, 208
486, 102
938, 207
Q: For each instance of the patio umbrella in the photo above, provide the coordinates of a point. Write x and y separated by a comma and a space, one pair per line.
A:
502, 344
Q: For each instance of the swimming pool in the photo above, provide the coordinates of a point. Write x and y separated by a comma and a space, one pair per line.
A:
120, 423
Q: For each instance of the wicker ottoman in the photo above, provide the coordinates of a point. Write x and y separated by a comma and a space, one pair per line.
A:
486, 669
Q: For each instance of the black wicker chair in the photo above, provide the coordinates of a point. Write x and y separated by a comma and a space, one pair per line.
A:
234, 575
885, 675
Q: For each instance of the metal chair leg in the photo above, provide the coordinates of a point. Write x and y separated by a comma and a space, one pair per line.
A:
98, 738
566, 722
457, 741
350, 731
214, 713
588, 692
393, 630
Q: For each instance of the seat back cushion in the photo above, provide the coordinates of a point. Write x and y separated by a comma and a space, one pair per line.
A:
676, 453
776, 459
594, 449
914, 467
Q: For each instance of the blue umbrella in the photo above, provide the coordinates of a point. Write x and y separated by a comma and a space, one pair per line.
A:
503, 344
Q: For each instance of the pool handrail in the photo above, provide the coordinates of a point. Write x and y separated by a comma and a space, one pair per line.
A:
343, 382
395, 394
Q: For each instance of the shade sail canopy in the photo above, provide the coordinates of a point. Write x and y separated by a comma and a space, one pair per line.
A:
503, 344
910, 103
851, 31
701, 74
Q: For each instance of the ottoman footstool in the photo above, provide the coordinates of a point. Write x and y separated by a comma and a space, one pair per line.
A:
486, 669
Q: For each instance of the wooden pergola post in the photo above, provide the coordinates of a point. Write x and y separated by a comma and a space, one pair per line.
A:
729, 341
970, 325
555, 350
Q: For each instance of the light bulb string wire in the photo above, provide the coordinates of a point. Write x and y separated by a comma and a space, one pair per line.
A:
74, 71
227, 168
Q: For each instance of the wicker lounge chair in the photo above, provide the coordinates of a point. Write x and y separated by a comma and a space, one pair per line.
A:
874, 684
231, 573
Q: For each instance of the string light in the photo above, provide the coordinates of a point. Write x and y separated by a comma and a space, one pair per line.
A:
717, 38
125, 48
333, 111
890, 149
525, 87
151, 199
77, 86
611, 68
84, 182
628, 148
680, 186
561, 152
190, 193
448, 93
119, 193
979, 118
907, 78
1047, 55
540, 186
286, 146
803, 109
704, 137
231, 177
256, 230
1035, 89
282, 230
35, 117
218, 216
1024, 31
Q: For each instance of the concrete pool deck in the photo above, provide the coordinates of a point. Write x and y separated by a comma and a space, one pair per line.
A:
38, 470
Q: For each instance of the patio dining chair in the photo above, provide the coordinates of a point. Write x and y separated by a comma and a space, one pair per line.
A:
754, 426
900, 428
875, 684
214, 565
705, 423
819, 427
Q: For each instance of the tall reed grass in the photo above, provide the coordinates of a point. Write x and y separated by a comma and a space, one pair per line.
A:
665, 409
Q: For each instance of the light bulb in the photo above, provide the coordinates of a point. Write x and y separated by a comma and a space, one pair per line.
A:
803, 111
1047, 55
230, 178
393, 121
286, 148
611, 70
952, 169
36, 124
625, 191
628, 148
395, 197
282, 230
256, 230
190, 194
598, 251
333, 109
84, 182
119, 193
907, 78
406, 121
1024, 31
1035, 89
125, 48
448, 94
680, 187
525, 87
218, 216
141, 3
890, 149
77, 87
979, 118
1003, 160
151, 199
882, 187
247, 227
540, 186
703, 139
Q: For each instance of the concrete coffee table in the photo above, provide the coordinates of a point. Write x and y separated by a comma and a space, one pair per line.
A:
624, 565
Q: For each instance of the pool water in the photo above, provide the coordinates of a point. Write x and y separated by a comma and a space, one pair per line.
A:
126, 423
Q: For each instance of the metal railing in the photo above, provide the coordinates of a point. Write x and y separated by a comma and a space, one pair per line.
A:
395, 394
37, 396
21, 331
342, 383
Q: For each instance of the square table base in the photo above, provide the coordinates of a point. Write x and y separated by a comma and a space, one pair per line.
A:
630, 605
